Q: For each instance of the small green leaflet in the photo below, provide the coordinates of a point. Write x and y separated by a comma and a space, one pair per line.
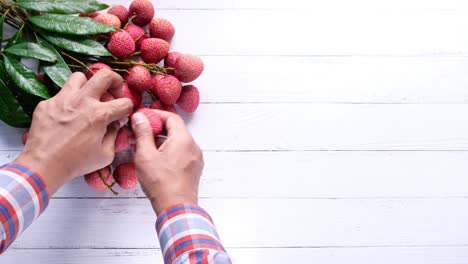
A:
70, 25
31, 50
62, 6
59, 71
11, 111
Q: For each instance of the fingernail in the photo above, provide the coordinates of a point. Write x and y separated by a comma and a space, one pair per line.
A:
138, 119
123, 122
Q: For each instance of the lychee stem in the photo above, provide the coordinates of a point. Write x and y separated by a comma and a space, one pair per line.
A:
130, 20
76, 60
107, 185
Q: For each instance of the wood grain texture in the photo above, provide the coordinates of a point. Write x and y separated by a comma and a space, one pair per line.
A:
414, 255
129, 223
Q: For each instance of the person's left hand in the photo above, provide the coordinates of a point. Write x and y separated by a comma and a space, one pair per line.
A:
74, 133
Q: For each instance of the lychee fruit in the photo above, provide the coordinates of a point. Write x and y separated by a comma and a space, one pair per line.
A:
158, 105
91, 15
138, 34
109, 19
188, 67
96, 179
121, 12
24, 137
143, 10
122, 142
189, 99
121, 44
154, 119
139, 78
154, 50
41, 77
125, 175
167, 88
135, 96
94, 68
107, 97
162, 28
171, 59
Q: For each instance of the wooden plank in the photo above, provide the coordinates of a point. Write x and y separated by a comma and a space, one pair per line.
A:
414, 255
335, 79
314, 127
320, 33
300, 4
129, 223
316, 175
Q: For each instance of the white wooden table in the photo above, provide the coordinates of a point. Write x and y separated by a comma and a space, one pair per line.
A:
334, 132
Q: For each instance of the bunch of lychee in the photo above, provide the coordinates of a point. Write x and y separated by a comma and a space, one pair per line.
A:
148, 67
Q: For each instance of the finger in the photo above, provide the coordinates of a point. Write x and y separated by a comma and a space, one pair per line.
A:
103, 81
75, 82
117, 109
109, 138
143, 134
173, 122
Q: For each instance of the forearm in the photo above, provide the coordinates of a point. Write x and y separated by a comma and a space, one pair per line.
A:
23, 197
188, 236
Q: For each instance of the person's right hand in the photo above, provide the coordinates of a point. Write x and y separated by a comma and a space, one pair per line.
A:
170, 174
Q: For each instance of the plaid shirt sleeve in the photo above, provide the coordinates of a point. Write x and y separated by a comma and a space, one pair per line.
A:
23, 197
188, 236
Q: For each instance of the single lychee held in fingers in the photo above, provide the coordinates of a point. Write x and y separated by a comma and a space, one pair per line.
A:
158, 105
125, 176
94, 68
139, 78
167, 88
133, 95
122, 141
142, 12
121, 12
121, 44
100, 180
162, 28
189, 99
154, 50
154, 119
109, 19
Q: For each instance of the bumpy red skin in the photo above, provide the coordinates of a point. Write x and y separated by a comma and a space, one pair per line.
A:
189, 99
144, 11
24, 137
121, 44
122, 140
94, 68
154, 50
154, 119
188, 68
94, 180
171, 60
109, 19
121, 12
133, 95
158, 105
168, 89
91, 15
138, 34
162, 28
139, 78
125, 175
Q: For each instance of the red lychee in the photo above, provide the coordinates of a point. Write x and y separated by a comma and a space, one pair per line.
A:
135, 96
188, 67
138, 34
189, 99
154, 119
162, 28
94, 68
96, 179
121, 12
158, 105
122, 142
109, 19
24, 137
125, 175
154, 50
121, 44
143, 10
167, 88
139, 78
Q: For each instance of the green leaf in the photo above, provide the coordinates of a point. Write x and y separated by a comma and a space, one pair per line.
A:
59, 71
62, 6
16, 38
70, 25
31, 50
25, 78
78, 45
11, 111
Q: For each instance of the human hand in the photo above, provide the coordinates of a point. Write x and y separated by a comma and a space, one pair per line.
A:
74, 132
169, 174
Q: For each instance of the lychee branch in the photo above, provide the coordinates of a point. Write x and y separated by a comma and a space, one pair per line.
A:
110, 187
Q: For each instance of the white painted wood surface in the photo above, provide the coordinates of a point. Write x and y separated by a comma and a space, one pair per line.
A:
337, 126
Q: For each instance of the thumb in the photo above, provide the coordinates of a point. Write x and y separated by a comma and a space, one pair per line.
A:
145, 142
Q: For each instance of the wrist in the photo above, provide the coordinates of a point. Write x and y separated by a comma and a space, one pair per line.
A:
160, 205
